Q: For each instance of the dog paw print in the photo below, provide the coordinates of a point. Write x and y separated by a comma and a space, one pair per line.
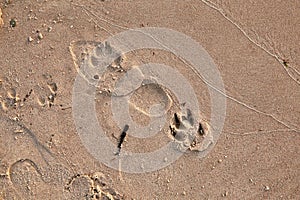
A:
10, 100
188, 134
48, 98
92, 186
93, 59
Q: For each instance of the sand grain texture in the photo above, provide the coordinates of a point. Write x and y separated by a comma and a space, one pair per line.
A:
255, 46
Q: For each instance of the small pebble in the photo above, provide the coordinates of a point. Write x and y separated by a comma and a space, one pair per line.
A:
51, 98
267, 188
19, 131
30, 39
13, 23
40, 36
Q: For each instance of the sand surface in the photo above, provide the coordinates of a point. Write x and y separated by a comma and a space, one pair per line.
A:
255, 48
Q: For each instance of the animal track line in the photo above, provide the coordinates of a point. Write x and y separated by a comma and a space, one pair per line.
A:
280, 60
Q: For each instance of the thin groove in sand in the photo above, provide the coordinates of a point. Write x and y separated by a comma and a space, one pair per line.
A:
260, 132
